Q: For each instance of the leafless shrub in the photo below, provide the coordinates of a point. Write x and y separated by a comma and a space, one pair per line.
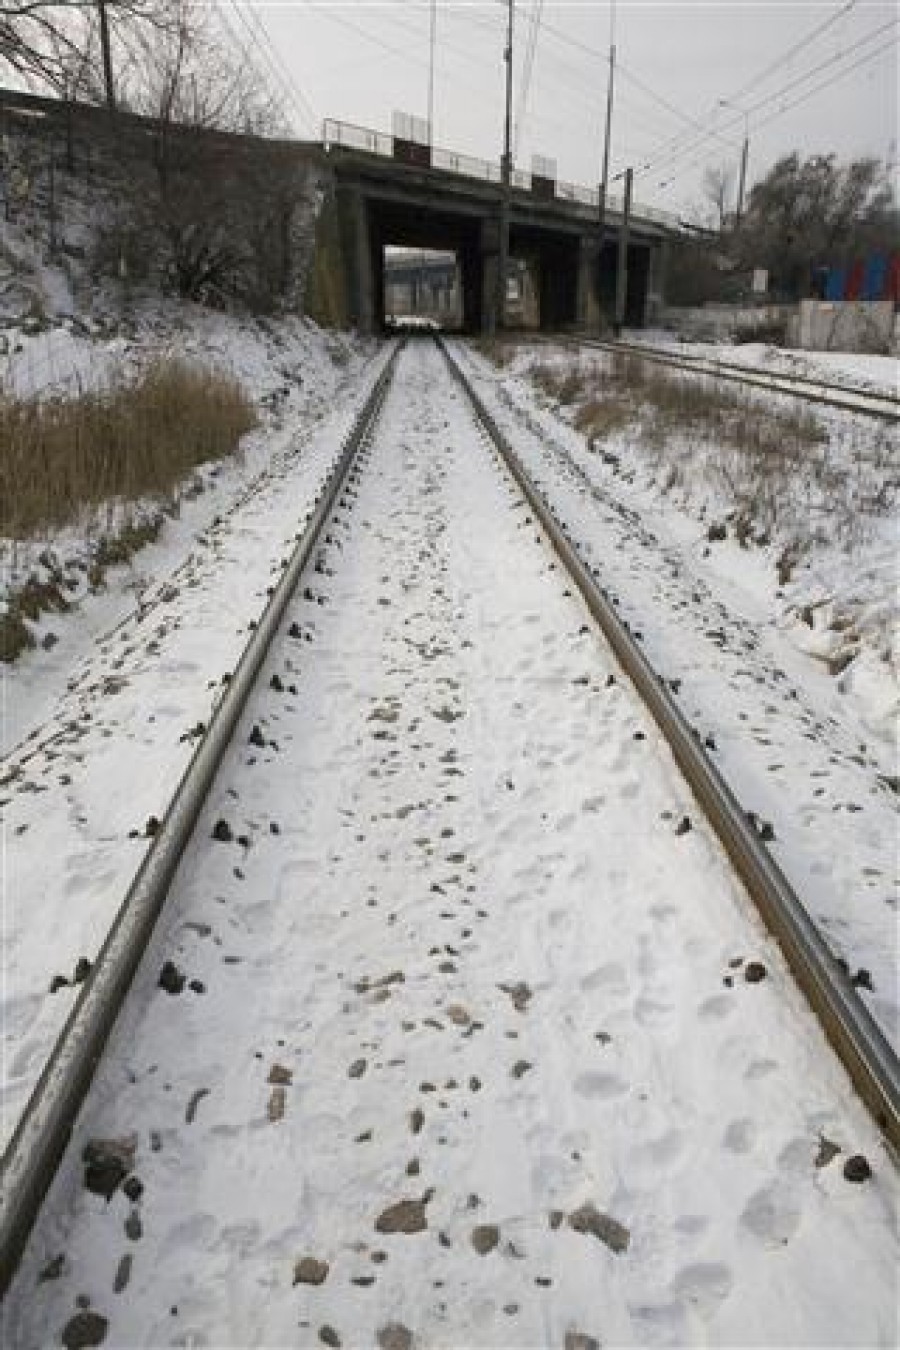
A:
599, 418
15, 635
53, 42
571, 387
496, 349
775, 333
775, 465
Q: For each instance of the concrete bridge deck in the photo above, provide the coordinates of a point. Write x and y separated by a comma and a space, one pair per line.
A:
409, 195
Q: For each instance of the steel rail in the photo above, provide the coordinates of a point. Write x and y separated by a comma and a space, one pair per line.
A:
885, 406
862, 1048
34, 1152
813, 381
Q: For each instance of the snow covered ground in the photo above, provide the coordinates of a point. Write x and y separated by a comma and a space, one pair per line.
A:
481, 1045
99, 725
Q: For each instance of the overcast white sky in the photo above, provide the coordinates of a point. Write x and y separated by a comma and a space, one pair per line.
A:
814, 91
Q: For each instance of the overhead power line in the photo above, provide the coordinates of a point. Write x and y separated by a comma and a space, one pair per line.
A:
792, 51
287, 76
329, 11
286, 85
826, 84
526, 71
669, 153
693, 122
675, 142
863, 60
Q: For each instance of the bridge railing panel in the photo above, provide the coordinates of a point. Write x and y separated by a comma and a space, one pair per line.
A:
356, 138
468, 166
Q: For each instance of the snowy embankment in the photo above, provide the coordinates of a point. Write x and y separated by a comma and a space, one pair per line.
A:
475, 1043
810, 754
101, 718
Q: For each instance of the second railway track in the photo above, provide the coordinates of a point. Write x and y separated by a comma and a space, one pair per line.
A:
883, 405
457, 1028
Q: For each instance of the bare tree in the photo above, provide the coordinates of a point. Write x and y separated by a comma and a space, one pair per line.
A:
184, 75
717, 185
42, 40
218, 205
815, 211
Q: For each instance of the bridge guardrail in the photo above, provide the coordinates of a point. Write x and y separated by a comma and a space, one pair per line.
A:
469, 166
356, 137
465, 165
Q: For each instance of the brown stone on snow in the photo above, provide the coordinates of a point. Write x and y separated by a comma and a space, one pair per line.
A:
281, 1076
484, 1238
310, 1270
580, 1340
395, 1336
589, 1220
123, 1273
276, 1104
519, 993
107, 1163
857, 1169
85, 1329
826, 1152
406, 1216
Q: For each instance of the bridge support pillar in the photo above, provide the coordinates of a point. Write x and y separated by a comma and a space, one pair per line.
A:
490, 262
588, 294
357, 248
656, 282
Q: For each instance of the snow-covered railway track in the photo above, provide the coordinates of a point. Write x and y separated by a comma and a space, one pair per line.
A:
30, 1159
458, 1029
882, 405
863, 1049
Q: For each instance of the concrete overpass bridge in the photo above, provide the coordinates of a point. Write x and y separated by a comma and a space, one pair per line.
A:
390, 192
306, 225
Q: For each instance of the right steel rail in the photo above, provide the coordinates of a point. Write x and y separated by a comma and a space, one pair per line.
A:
868, 403
860, 1044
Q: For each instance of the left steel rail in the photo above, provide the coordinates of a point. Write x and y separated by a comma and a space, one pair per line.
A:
31, 1159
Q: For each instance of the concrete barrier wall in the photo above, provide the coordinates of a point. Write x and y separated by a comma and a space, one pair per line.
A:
845, 326
724, 323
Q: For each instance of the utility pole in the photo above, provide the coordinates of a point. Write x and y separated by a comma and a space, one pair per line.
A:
505, 176
431, 75
742, 180
604, 177
745, 151
622, 259
107, 56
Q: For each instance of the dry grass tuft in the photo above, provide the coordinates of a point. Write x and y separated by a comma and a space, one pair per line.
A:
63, 456
773, 463
499, 350
599, 418
15, 635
